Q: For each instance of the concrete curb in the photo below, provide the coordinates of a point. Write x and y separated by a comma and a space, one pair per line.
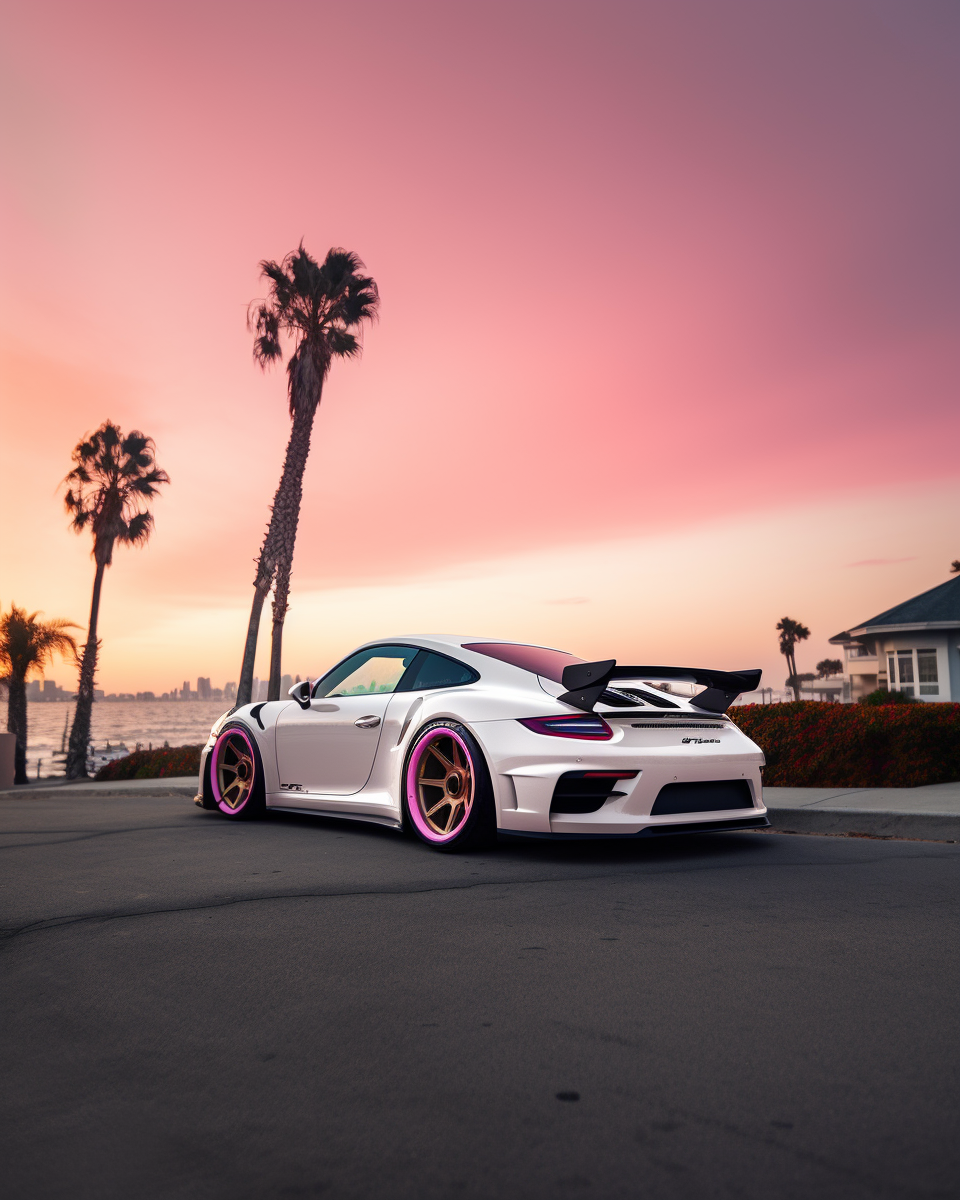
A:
926, 826
124, 789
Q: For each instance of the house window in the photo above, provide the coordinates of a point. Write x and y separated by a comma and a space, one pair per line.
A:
927, 673
905, 658
892, 667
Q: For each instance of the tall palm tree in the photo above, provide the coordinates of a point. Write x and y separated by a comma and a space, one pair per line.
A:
792, 632
27, 644
320, 308
112, 478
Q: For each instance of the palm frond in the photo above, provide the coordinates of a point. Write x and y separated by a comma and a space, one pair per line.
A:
26, 643
137, 530
320, 308
342, 343
112, 476
361, 303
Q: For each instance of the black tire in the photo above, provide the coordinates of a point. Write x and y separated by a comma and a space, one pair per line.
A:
205, 796
446, 791
236, 775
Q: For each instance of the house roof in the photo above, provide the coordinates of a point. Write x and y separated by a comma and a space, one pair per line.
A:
939, 606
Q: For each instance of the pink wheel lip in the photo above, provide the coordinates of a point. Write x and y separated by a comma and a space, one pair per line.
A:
413, 806
214, 783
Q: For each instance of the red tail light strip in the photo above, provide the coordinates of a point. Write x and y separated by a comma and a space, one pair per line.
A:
583, 726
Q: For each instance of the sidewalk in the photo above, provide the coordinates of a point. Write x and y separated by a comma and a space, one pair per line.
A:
930, 813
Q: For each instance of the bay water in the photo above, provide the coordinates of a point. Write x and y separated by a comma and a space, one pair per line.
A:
149, 722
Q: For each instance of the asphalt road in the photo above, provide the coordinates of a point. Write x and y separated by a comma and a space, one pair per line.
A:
300, 1008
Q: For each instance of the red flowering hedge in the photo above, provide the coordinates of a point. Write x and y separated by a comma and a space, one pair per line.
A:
811, 743
154, 764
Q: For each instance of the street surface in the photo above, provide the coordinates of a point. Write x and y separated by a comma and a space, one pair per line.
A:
304, 1008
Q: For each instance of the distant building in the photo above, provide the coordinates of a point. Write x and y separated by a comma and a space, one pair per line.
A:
286, 683
913, 647
33, 689
834, 687
230, 691
203, 688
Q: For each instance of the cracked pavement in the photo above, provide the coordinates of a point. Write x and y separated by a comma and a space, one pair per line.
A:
300, 1007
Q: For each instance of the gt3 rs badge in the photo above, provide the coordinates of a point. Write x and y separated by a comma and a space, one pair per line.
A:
699, 741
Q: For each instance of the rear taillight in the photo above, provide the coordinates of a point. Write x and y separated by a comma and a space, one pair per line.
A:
581, 725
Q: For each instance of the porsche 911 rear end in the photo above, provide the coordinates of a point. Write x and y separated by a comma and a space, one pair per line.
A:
645, 773
687, 774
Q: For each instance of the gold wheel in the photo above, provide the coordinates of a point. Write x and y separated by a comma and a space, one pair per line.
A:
234, 771
444, 784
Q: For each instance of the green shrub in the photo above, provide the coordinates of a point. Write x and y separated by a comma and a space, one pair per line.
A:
887, 696
154, 764
809, 743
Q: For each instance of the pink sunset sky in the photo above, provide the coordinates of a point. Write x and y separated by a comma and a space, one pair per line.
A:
668, 345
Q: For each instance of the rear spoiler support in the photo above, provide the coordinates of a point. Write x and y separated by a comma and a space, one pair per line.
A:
586, 683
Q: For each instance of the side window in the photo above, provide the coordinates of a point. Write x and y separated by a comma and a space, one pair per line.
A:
436, 671
376, 669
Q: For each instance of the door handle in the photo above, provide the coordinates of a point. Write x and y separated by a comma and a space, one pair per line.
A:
367, 722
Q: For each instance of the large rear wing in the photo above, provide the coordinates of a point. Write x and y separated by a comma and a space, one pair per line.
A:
586, 683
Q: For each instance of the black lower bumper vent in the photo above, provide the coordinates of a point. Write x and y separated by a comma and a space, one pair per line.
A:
586, 791
712, 796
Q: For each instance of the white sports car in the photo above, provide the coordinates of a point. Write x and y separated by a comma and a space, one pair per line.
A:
456, 738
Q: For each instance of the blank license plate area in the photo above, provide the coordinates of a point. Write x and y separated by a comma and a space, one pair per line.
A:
710, 796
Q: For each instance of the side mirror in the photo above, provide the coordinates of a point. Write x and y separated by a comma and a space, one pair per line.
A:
301, 693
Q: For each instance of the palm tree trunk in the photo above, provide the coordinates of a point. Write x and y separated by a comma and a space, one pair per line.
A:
280, 593
286, 517
261, 586
792, 661
17, 724
76, 766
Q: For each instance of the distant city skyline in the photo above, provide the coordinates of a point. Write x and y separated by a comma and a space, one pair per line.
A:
48, 690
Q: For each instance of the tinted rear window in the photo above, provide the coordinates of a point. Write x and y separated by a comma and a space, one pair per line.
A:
437, 671
538, 659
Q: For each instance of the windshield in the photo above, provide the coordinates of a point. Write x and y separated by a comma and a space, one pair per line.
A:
539, 659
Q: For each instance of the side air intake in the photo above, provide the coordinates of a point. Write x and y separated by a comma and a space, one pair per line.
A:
586, 791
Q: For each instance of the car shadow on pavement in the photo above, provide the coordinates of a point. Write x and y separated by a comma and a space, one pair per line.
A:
568, 851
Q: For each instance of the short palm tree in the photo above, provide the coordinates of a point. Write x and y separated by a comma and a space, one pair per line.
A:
792, 632
112, 479
320, 308
26, 645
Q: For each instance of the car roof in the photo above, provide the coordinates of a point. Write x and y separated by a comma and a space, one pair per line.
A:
455, 646
448, 641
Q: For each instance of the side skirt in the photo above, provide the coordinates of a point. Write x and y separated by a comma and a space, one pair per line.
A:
388, 822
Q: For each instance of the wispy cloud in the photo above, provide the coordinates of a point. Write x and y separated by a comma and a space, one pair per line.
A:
881, 562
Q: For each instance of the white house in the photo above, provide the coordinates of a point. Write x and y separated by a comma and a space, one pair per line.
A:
913, 647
